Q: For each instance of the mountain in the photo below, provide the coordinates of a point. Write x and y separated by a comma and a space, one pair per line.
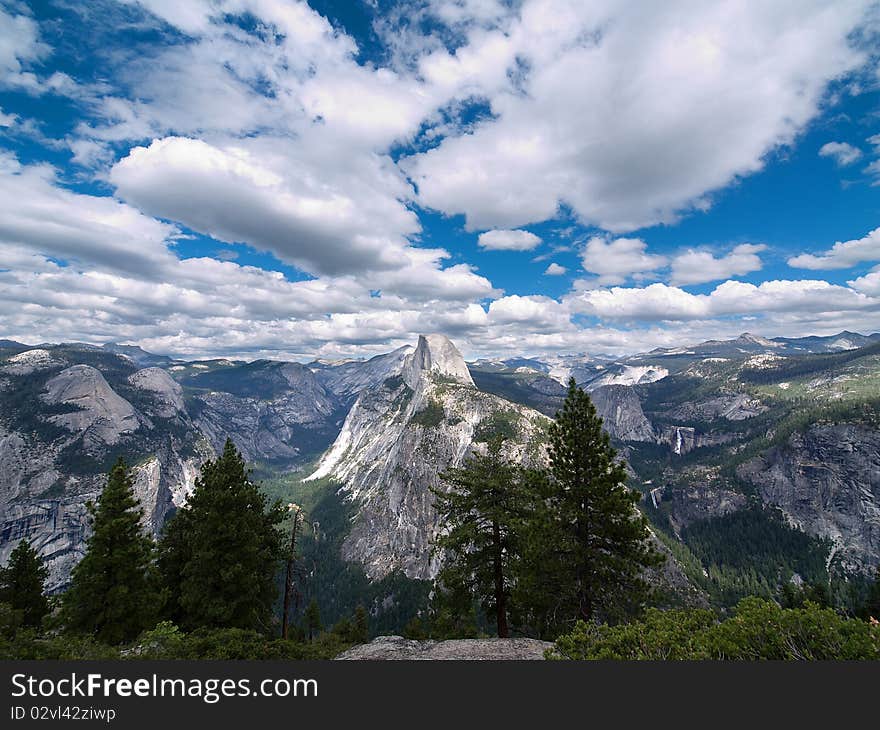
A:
66, 413
399, 436
708, 432
141, 357
348, 378
834, 343
793, 422
277, 413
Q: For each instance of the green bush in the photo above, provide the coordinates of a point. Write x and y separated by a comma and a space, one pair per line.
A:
431, 415
759, 630
166, 641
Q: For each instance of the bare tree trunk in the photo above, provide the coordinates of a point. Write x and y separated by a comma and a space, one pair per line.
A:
500, 595
288, 582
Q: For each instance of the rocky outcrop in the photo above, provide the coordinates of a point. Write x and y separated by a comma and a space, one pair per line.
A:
622, 414
29, 361
274, 412
435, 354
684, 439
98, 412
347, 379
396, 647
397, 439
698, 501
62, 428
733, 407
826, 480
164, 392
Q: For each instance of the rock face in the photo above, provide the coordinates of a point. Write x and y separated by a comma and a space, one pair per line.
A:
827, 481
62, 424
734, 407
435, 354
397, 648
28, 361
622, 413
694, 502
162, 389
398, 437
347, 379
273, 411
98, 412
619, 374
684, 439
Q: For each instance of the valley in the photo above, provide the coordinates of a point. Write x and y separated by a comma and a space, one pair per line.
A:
758, 460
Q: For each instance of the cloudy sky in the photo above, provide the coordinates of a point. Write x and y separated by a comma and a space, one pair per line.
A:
288, 179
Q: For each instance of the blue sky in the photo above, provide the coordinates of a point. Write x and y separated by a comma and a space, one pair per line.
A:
286, 179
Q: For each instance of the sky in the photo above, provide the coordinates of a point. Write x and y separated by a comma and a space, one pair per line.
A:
282, 179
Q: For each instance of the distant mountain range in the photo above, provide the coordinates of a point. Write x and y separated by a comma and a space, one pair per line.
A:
707, 431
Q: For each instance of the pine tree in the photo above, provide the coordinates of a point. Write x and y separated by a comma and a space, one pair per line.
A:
589, 544
173, 554
22, 584
872, 605
481, 512
112, 594
220, 554
313, 620
360, 626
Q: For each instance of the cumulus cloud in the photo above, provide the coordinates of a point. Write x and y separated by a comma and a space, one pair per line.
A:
697, 267
842, 153
660, 302
555, 269
91, 268
38, 215
842, 255
868, 284
20, 46
321, 224
502, 240
616, 260
612, 115
277, 135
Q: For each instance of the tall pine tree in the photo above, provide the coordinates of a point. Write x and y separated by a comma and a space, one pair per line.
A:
112, 593
22, 584
589, 544
481, 511
220, 555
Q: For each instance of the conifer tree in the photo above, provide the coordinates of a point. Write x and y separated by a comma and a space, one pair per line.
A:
112, 593
481, 512
221, 553
872, 605
313, 620
22, 584
361, 626
589, 544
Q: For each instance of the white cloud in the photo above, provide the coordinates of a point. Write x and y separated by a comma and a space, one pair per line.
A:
118, 278
536, 311
277, 200
842, 153
555, 269
616, 260
614, 118
7, 120
842, 255
20, 46
868, 284
502, 240
660, 302
279, 138
697, 267
37, 214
